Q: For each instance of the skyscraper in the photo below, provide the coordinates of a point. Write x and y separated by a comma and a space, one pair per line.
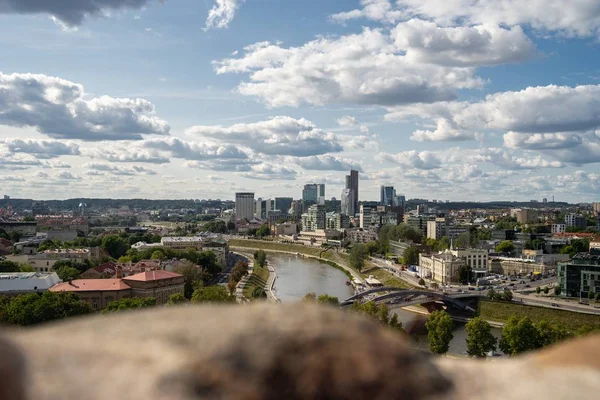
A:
388, 196
244, 206
263, 208
354, 186
283, 204
348, 202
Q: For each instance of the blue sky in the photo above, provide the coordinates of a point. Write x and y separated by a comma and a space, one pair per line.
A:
444, 99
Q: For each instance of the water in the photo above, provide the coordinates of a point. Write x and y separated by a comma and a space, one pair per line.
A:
297, 276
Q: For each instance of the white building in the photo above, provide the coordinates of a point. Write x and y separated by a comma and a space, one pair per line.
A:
244, 206
559, 228
314, 219
437, 229
367, 215
477, 259
442, 268
263, 208
348, 202
16, 283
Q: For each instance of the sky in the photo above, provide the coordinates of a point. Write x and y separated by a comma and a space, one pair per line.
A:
196, 99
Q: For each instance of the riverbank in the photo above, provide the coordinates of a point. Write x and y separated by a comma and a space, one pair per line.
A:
500, 312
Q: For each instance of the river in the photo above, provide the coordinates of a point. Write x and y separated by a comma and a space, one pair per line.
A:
297, 276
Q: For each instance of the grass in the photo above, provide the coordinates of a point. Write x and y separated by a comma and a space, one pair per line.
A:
258, 278
501, 311
385, 277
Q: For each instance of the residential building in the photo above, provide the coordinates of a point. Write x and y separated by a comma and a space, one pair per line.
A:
418, 223
575, 220
286, 229
283, 204
263, 208
477, 259
314, 219
368, 217
348, 202
596, 207
352, 183
358, 235
437, 228
15, 283
23, 228
158, 284
525, 215
442, 268
580, 276
558, 228
244, 206
337, 221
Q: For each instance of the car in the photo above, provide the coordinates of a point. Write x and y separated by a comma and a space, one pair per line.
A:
471, 288
555, 305
585, 303
521, 282
528, 285
511, 284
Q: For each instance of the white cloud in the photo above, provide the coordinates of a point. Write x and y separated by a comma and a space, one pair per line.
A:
57, 108
365, 68
222, 13
542, 141
327, 163
67, 176
424, 160
118, 170
130, 155
268, 171
276, 136
443, 132
41, 148
195, 151
347, 121
376, 10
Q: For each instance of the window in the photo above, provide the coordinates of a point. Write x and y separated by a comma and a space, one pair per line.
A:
95, 304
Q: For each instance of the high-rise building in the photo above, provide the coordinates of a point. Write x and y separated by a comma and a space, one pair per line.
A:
283, 204
314, 219
388, 196
348, 202
575, 220
244, 205
314, 192
354, 186
263, 208
596, 207
321, 194
368, 217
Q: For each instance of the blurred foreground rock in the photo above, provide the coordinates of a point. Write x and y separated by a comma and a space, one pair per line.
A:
268, 352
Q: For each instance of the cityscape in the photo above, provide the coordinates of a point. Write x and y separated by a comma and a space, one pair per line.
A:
257, 199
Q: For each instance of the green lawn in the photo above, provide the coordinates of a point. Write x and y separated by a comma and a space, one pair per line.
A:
501, 311
258, 278
385, 277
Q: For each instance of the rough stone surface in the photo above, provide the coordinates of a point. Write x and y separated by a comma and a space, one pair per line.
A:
268, 352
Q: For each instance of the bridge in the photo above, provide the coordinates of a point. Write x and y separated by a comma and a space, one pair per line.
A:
409, 297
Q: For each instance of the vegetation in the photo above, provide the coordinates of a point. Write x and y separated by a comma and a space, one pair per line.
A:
129, 304
358, 255
521, 334
421, 282
572, 321
193, 275
576, 246
379, 312
463, 275
505, 295
115, 246
557, 290
260, 258
255, 287
411, 256
31, 309
216, 226
505, 246
480, 339
177, 298
66, 273
439, 331
212, 294
9, 266
322, 299
237, 273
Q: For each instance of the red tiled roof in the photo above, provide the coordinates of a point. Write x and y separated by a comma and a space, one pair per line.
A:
90, 285
106, 267
152, 276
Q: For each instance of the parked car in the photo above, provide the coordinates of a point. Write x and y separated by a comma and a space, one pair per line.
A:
527, 285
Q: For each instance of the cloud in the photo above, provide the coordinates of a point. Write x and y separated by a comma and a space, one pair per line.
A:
268, 171
130, 155
347, 121
506, 159
41, 148
542, 141
57, 164
443, 132
364, 68
424, 160
60, 109
426, 42
222, 13
327, 163
195, 151
118, 170
67, 176
277, 136
69, 13
11, 178
18, 161
231, 165
568, 18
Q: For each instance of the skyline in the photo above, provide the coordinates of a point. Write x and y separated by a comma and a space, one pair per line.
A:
453, 99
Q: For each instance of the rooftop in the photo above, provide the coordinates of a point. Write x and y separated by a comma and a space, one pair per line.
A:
91, 285
152, 276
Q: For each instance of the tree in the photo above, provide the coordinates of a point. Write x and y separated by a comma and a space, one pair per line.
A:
442, 244
26, 268
538, 290
217, 226
9, 266
192, 275
263, 231
328, 300
309, 298
598, 296
212, 294
31, 309
505, 246
480, 339
177, 298
378, 312
115, 246
15, 236
549, 334
435, 286
358, 255
590, 295
421, 282
411, 256
260, 258
491, 294
546, 290
158, 255
507, 295
557, 290
66, 273
518, 336
129, 304
439, 331
463, 274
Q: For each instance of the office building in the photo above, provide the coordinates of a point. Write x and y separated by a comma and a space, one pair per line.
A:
580, 276
388, 196
442, 268
244, 206
337, 221
314, 193
558, 228
352, 183
314, 219
477, 259
348, 202
263, 208
437, 228
575, 220
418, 223
283, 204
525, 215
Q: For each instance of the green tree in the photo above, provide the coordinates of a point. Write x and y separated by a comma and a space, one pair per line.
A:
518, 336
598, 296
192, 275
480, 339
15, 236
411, 256
463, 275
505, 246
129, 304
65, 273
378, 312
421, 282
26, 268
442, 244
177, 298
328, 300
591, 295
263, 231
31, 309
549, 333
546, 290
358, 255
538, 290
557, 290
212, 294
9, 266
158, 255
492, 294
260, 258
463, 240
507, 295
115, 246
439, 331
